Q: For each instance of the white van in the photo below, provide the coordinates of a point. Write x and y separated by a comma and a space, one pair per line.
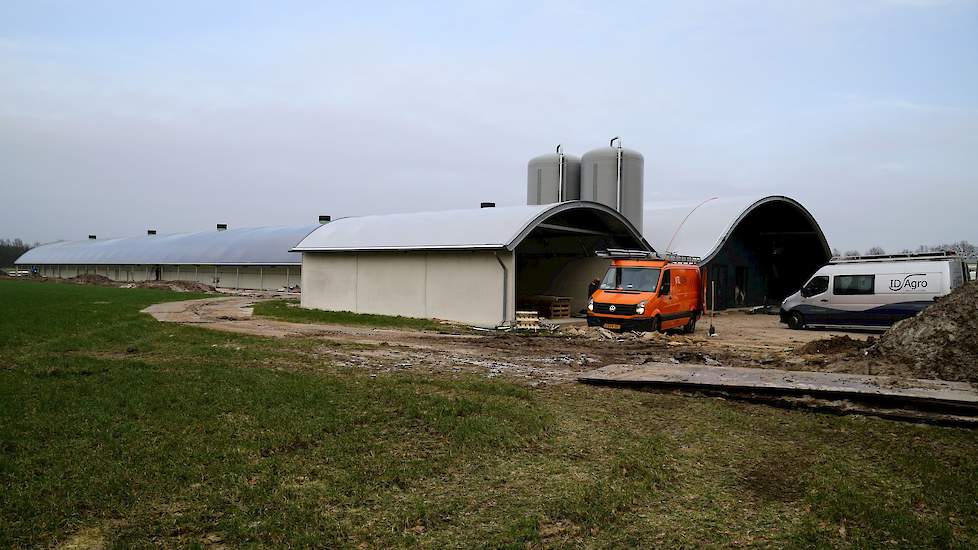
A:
872, 292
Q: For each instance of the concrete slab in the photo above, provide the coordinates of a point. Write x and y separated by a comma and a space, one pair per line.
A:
939, 394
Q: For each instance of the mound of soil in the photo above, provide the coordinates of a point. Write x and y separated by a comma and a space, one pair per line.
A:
941, 341
833, 345
176, 286
89, 279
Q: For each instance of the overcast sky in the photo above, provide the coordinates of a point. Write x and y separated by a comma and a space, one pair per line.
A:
116, 117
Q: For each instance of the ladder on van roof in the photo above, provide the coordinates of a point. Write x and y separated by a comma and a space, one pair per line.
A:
920, 256
621, 253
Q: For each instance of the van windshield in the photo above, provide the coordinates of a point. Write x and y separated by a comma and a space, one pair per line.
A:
637, 279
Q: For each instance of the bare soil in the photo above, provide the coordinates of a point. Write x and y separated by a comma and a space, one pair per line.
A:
836, 345
939, 342
176, 286
742, 341
89, 279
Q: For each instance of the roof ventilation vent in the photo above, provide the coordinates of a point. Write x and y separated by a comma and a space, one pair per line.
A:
222, 227
487, 205
325, 219
151, 232
92, 237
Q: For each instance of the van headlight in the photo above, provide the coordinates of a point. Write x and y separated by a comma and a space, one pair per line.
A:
640, 308
590, 304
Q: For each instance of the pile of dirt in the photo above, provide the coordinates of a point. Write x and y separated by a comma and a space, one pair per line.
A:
834, 345
175, 286
89, 279
941, 341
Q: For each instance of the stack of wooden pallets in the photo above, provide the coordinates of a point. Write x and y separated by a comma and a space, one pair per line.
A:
551, 307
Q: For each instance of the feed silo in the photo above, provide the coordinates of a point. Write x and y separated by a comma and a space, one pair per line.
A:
553, 178
614, 176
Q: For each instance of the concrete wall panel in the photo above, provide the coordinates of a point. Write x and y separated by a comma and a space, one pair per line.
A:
392, 284
465, 286
329, 281
462, 286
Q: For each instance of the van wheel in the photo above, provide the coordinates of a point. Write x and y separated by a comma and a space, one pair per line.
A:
796, 321
656, 324
690, 327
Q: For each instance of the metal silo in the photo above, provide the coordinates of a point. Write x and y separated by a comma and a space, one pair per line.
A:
553, 178
614, 176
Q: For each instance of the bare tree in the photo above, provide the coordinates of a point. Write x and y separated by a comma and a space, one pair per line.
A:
875, 251
851, 253
11, 249
963, 248
836, 253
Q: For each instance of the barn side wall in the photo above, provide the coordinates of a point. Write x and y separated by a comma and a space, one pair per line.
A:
462, 286
244, 277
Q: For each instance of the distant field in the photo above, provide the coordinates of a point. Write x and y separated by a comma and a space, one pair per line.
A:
120, 430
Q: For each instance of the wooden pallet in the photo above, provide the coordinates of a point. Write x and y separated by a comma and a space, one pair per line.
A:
527, 320
551, 307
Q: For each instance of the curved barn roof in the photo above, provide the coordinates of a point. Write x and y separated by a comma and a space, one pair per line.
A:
482, 228
704, 226
245, 246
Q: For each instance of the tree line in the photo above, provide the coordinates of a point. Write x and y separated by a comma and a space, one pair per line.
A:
961, 248
11, 249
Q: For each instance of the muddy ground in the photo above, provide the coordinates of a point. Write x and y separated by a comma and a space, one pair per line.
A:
742, 340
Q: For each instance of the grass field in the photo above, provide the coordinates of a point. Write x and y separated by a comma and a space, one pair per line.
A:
120, 430
285, 310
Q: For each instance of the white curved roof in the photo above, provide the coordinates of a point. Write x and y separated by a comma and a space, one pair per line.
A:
483, 228
708, 225
245, 246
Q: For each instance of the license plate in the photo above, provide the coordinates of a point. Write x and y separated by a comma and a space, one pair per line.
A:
612, 326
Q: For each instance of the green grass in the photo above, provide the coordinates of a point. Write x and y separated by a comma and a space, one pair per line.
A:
287, 310
122, 430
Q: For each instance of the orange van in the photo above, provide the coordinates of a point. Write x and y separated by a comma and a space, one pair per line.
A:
647, 295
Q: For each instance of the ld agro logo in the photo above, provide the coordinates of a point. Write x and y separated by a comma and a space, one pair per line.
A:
910, 283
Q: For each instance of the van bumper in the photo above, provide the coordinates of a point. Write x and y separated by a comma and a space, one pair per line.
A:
637, 325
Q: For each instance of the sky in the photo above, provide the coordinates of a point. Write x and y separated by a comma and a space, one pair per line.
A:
117, 117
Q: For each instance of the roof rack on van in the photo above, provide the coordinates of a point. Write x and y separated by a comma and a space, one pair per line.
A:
679, 258
895, 257
624, 253
646, 255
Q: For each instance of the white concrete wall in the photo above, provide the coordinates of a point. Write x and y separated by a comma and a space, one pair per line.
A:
268, 278
463, 286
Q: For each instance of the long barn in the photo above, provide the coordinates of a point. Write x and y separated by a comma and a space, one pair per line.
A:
474, 265
246, 258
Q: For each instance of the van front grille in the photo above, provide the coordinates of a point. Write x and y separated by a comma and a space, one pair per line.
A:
620, 309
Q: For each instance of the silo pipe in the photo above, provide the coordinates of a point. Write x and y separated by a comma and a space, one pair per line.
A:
617, 173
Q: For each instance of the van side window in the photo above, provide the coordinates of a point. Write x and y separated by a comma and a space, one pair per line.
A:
666, 283
846, 285
816, 286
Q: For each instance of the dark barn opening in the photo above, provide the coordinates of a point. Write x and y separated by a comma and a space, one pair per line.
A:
557, 257
768, 256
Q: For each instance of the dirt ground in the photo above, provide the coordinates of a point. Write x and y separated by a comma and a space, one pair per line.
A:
742, 340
